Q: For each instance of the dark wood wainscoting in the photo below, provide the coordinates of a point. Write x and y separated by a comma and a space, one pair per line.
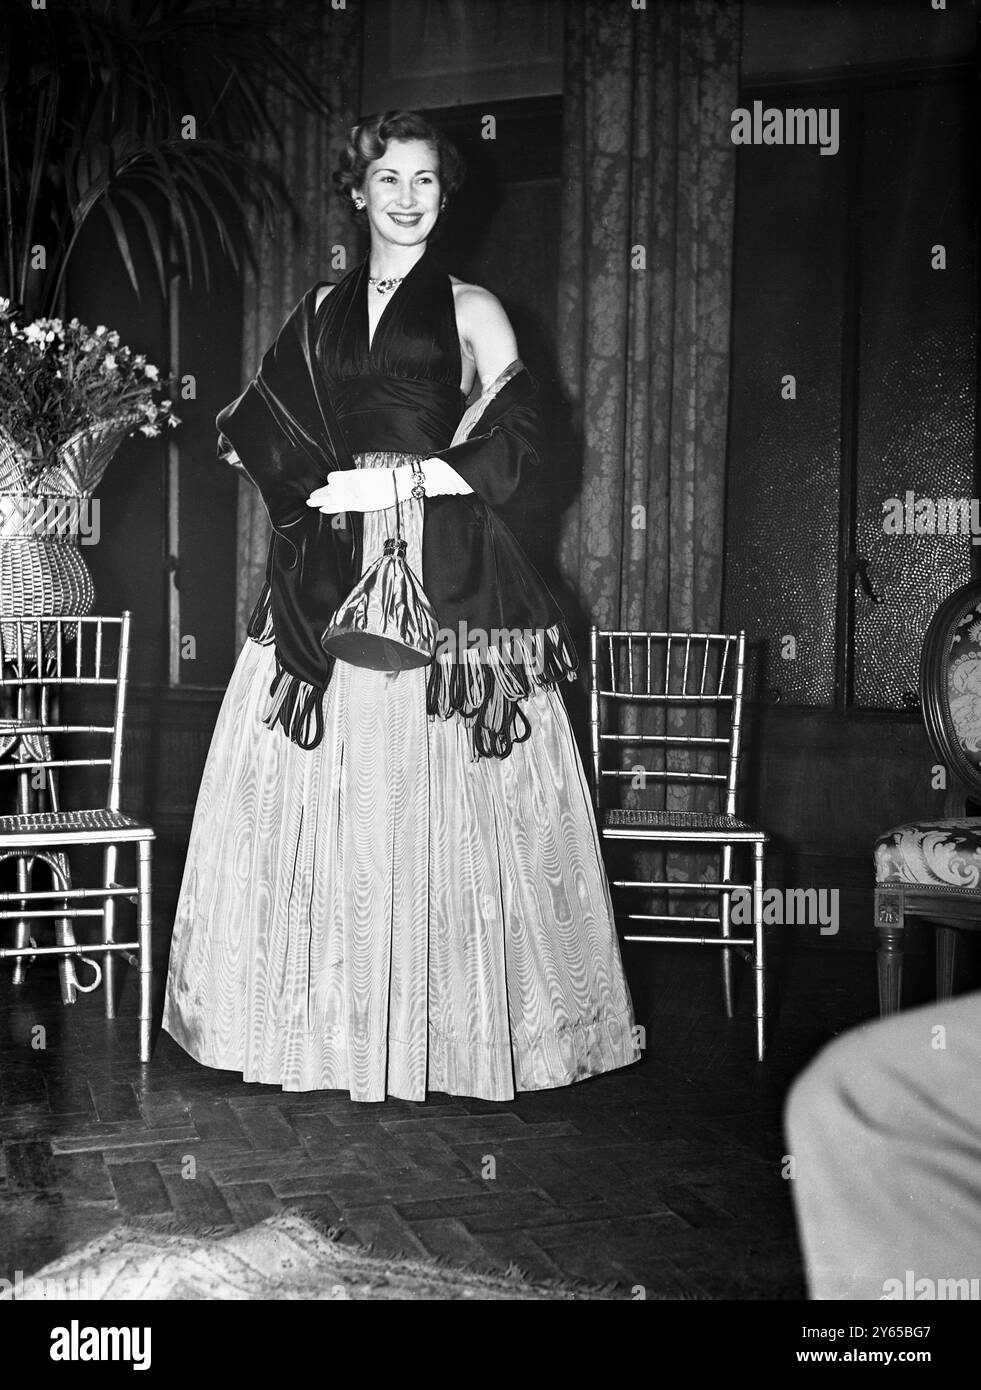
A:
168, 733
825, 787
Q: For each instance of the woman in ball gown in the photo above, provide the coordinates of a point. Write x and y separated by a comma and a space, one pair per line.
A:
394, 882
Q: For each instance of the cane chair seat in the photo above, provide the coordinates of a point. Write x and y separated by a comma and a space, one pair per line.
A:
706, 825
58, 827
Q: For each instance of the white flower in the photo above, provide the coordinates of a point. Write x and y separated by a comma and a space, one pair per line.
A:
109, 363
151, 371
34, 333
100, 332
4, 305
150, 430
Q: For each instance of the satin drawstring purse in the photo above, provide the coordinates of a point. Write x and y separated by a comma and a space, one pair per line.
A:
386, 623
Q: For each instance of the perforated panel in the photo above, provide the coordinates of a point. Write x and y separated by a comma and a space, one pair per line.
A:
918, 373
913, 389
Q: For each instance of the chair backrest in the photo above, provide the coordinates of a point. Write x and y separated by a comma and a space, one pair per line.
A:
35, 740
950, 685
683, 680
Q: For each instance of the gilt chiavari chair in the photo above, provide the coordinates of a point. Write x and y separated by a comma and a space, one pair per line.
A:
675, 699
43, 661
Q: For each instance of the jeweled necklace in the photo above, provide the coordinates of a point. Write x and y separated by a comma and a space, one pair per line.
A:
384, 286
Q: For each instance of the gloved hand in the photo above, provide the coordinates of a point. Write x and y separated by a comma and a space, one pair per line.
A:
371, 489
354, 490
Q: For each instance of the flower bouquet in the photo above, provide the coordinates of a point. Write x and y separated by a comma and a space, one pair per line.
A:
61, 384
69, 396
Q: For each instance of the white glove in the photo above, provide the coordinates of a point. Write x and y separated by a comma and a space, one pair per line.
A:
354, 490
371, 489
442, 479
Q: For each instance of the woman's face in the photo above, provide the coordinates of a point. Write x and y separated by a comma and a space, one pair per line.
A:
402, 193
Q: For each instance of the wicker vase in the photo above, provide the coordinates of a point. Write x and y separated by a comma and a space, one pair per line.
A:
42, 566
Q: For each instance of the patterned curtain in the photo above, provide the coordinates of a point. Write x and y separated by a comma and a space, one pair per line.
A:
643, 327
643, 322
323, 244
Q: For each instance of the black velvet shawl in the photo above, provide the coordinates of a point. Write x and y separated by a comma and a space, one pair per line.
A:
474, 571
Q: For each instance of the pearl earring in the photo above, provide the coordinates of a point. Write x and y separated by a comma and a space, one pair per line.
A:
359, 203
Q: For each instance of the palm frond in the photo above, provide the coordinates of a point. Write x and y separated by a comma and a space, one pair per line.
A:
91, 95
131, 199
122, 240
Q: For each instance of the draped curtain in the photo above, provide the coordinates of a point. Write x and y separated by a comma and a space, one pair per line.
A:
643, 313
293, 255
643, 328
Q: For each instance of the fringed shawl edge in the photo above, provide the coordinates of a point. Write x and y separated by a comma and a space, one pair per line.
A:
483, 685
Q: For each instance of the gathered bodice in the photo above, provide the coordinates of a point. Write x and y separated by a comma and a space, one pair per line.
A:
400, 392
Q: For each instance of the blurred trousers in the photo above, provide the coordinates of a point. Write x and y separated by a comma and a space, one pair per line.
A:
884, 1130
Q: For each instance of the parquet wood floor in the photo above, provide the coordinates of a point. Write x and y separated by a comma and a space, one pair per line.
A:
666, 1175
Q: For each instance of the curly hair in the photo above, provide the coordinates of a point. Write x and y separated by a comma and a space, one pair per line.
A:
369, 139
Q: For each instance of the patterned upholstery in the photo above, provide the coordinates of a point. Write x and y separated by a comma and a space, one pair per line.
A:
945, 853
934, 853
964, 685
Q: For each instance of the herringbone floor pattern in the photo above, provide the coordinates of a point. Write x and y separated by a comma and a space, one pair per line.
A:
666, 1175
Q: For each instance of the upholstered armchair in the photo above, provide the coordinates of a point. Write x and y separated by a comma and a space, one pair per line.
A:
931, 869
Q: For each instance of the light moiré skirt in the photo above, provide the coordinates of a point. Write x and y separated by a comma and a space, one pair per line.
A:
385, 915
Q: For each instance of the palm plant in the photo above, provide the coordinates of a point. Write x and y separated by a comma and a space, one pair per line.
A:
95, 101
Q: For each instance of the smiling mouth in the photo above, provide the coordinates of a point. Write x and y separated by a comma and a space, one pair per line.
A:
405, 219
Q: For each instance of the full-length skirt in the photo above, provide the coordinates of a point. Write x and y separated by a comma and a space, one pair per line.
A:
386, 915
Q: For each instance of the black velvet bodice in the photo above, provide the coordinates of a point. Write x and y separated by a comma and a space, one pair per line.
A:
403, 393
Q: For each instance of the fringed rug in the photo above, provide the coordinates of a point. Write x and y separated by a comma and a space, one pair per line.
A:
288, 1256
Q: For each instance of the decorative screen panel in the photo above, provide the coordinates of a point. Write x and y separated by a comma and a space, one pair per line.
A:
918, 373
857, 275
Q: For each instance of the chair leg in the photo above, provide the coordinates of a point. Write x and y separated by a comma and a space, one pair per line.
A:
144, 882
724, 900
109, 930
946, 956
64, 931
22, 929
59, 865
22, 932
759, 962
890, 925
